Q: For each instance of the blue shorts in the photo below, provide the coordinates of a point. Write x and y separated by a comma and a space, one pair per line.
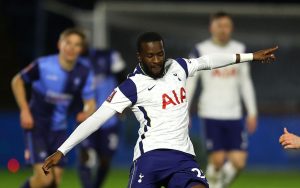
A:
105, 140
168, 168
225, 135
42, 142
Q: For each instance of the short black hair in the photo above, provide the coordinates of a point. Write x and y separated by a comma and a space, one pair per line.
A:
73, 30
218, 15
148, 37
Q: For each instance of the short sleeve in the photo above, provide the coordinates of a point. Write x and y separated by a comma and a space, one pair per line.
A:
118, 64
88, 91
30, 73
123, 96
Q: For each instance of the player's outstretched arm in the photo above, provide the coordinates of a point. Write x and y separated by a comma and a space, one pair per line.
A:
266, 55
222, 60
85, 129
289, 140
218, 60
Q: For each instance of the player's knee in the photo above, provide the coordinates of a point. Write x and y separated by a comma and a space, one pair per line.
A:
239, 164
217, 159
47, 181
218, 162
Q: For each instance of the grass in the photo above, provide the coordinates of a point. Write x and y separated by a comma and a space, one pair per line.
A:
118, 178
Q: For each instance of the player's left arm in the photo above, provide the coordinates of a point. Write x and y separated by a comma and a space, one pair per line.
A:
248, 96
88, 96
86, 128
214, 61
122, 97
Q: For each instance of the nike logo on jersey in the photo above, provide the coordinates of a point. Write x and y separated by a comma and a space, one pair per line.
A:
151, 88
174, 99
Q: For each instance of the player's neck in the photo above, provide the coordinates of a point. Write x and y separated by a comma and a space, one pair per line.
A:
219, 42
66, 65
148, 73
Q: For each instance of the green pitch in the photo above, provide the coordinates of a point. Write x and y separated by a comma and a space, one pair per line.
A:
118, 179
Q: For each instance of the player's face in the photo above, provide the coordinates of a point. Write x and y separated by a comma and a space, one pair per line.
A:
221, 29
70, 47
152, 57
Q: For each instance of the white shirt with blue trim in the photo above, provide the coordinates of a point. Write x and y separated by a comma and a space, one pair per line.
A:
160, 106
223, 89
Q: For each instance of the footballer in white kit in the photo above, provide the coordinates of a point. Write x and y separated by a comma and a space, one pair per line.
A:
220, 104
155, 92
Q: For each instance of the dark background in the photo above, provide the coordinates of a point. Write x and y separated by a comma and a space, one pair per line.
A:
29, 31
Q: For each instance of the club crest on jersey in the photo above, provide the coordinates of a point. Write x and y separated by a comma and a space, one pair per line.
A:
174, 99
111, 96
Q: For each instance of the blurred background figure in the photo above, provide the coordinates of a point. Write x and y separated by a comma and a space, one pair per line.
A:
55, 80
97, 151
220, 104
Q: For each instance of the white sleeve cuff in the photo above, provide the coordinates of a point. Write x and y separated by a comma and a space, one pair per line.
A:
246, 57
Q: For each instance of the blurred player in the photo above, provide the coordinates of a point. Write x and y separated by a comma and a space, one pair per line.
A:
220, 104
55, 80
108, 68
155, 91
289, 140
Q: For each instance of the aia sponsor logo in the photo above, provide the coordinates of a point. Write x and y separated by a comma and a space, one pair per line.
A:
109, 98
174, 98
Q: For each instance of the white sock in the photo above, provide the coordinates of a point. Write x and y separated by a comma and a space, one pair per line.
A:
229, 172
214, 177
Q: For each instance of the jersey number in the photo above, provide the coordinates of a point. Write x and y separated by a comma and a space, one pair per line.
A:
173, 99
200, 174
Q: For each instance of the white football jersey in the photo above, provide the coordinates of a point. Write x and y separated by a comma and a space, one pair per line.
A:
160, 106
223, 88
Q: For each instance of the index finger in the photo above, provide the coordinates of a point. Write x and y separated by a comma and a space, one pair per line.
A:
46, 172
270, 50
47, 165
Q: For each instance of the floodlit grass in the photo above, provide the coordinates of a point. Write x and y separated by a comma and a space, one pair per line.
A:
118, 179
